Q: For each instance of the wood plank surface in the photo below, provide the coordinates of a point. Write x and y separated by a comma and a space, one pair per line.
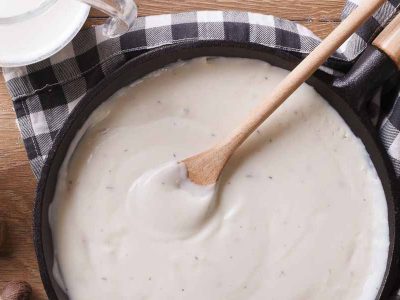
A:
289, 9
17, 184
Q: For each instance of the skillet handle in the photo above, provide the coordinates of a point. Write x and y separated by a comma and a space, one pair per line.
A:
367, 74
388, 41
379, 62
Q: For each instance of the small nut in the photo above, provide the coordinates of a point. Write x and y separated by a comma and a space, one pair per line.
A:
16, 290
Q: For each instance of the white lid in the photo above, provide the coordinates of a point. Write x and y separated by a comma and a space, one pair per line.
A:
39, 36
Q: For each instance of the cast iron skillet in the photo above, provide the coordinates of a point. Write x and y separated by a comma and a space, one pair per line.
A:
343, 94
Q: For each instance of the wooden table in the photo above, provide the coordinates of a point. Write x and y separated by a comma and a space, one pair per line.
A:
17, 184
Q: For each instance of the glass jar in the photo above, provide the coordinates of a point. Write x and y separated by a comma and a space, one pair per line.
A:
32, 30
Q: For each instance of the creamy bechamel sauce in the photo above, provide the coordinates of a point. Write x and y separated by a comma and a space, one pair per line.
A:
17, 7
299, 213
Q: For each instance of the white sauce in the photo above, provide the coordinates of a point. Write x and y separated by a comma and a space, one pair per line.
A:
299, 212
11, 8
165, 203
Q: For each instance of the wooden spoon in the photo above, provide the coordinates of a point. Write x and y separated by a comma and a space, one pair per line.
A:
205, 168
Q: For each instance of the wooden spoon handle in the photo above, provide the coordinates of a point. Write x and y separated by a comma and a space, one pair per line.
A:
301, 73
388, 40
206, 167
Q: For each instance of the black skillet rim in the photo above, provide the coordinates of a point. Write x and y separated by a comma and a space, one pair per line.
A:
188, 50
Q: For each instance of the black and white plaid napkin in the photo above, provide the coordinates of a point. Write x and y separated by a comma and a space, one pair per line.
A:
45, 93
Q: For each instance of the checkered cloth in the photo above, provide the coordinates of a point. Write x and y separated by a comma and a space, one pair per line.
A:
45, 93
